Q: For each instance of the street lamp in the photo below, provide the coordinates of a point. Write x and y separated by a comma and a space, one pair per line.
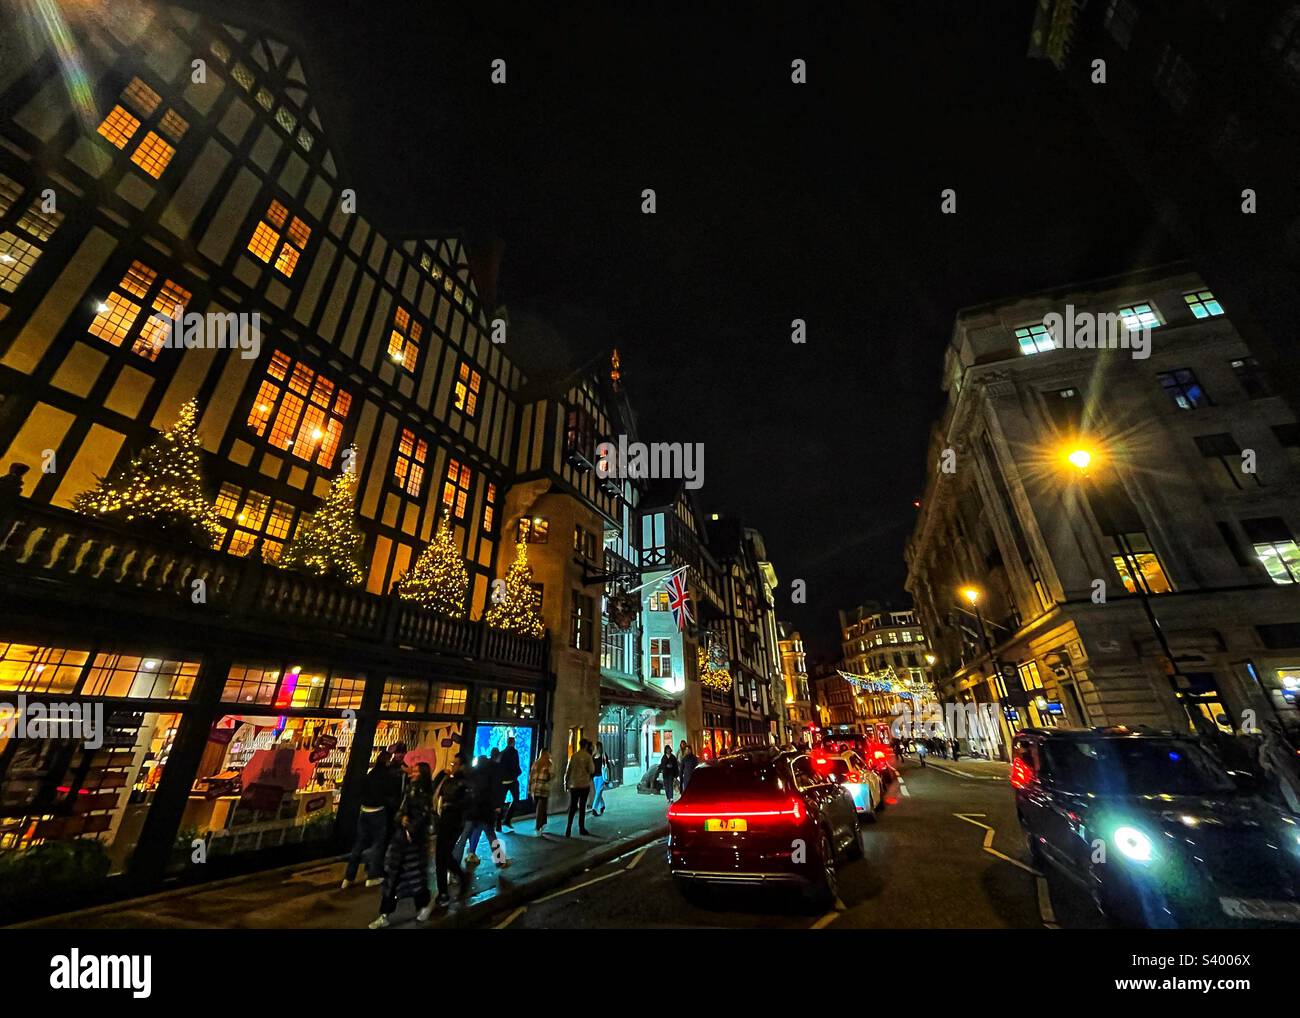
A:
1080, 457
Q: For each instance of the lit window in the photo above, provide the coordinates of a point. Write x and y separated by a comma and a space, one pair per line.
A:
659, 601
581, 621
265, 99
298, 410
1136, 547
244, 76
467, 386
17, 256
152, 155
1183, 388
1034, 339
139, 107
448, 700
404, 339
535, 530
661, 659
121, 315
280, 239
305, 139
1203, 304
408, 465
1138, 316
25, 668
1275, 548
286, 119
252, 516
455, 490
220, 50
490, 509
143, 678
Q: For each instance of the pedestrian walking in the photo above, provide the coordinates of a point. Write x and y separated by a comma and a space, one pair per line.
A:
921, 750
509, 775
539, 786
377, 809
600, 769
956, 749
687, 762
451, 801
577, 779
406, 864
668, 771
482, 814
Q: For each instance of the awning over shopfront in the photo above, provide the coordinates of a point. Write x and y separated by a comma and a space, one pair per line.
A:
617, 688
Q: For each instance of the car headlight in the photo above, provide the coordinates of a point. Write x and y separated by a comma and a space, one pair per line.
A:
1133, 844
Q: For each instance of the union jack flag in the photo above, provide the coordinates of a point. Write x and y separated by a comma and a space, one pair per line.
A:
679, 600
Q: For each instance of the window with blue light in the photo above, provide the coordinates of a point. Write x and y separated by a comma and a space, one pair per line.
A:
1203, 304
1183, 388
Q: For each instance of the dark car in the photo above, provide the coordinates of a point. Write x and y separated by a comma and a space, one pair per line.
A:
762, 817
1155, 829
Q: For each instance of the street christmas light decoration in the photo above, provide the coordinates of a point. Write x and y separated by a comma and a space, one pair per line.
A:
329, 543
438, 581
162, 488
517, 609
714, 672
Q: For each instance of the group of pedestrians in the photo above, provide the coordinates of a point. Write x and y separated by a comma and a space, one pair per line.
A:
674, 770
408, 812
944, 749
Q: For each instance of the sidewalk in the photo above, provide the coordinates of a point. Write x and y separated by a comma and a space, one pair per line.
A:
308, 896
985, 770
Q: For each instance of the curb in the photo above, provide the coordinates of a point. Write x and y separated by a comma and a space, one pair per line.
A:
520, 894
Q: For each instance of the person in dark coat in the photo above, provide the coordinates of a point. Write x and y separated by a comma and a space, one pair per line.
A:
667, 771
377, 808
688, 762
406, 866
481, 818
509, 771
452, 799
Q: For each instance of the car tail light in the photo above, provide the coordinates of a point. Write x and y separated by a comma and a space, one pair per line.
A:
1022, 775
790, 811
879, 754
854, 778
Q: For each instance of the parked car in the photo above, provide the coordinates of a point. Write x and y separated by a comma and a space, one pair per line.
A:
1154, 828
762, 817
850, 771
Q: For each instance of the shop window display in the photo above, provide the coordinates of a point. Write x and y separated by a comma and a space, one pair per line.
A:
431, 742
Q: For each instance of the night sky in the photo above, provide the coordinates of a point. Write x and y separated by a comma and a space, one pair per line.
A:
775, 201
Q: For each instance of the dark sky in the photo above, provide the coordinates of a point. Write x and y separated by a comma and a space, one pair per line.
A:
775, 201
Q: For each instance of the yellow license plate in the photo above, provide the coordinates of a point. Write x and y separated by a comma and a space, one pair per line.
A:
726, 825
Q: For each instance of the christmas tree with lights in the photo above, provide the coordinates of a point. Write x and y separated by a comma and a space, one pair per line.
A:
162, 488
328, 542
439, 580
517, 609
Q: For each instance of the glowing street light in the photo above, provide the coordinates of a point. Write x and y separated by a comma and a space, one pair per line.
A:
971, 594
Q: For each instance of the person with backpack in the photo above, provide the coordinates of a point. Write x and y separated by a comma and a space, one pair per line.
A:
508, 774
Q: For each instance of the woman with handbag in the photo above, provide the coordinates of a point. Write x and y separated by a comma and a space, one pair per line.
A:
539, 785
406, 865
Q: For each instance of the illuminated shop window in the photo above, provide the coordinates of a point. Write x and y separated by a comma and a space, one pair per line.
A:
279, 238
141, 123
24, 230
298, 410
408, 464
1154, 580
1203, 304
455, 490
1035, 339
345, 693
406, 696
251, 515
139, 309
142, 678
467, 386
248, 684
25, 668
448, 700
404, 339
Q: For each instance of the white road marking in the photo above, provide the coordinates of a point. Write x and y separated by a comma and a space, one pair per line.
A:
511, 918
902, 788
1045, 911
577, 887
637, 858
962, 774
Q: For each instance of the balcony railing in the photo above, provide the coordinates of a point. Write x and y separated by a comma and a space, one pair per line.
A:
42, 545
